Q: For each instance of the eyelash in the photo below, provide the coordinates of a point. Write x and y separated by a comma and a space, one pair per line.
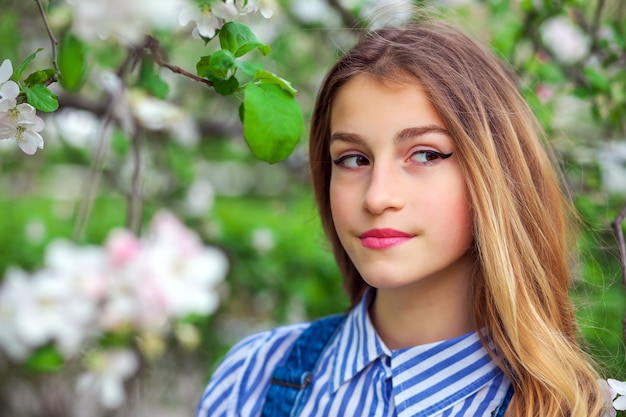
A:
438, 155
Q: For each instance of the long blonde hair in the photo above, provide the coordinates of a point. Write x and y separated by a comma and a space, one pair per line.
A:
520, 214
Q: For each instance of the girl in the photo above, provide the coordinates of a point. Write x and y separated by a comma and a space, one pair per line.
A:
449, 225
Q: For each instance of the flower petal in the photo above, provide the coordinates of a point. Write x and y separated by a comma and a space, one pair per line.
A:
6, 70
9, 90
207, 25
620, 403
6, 104
225, 10
187, 15
618, 386
29, 142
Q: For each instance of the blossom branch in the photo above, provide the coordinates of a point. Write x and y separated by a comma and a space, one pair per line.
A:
133, 219
154, 47
53, 40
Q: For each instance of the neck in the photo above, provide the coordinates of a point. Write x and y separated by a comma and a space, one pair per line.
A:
429, 311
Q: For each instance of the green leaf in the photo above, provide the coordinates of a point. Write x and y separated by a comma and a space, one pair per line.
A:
239, 39
151, 81
46, 359
241, 111
41, 98
267, 76
17, 75
72, 63
598, 80
272, 122
226, 87
203, 65
39, 77
216, 66
248, 68
221, 62
120, 143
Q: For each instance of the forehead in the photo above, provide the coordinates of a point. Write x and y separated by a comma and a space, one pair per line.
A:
366, 103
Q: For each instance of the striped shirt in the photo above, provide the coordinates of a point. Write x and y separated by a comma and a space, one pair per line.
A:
358, 375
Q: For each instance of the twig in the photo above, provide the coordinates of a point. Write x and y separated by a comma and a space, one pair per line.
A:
53, 40
92, 182
153, 45
616, 225
348, 18
133, 218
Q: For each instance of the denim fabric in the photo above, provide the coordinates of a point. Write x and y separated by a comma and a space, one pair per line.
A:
287, 390
499, 412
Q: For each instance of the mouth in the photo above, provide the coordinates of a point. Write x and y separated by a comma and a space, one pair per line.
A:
383, 238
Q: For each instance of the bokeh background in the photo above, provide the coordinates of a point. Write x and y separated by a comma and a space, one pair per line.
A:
570, 56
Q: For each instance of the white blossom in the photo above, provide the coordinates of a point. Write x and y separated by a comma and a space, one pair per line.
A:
265, 7
136, 106
77, 127
21, 123
9, 89
200, 197
45, 307
14, 289
611, 157
208, 19
156, 114
620, 389
263, 240
142, 284
17, 121
107, 371
124, 21
567, 42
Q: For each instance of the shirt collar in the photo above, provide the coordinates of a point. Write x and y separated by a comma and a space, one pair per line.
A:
426, 379
357, 345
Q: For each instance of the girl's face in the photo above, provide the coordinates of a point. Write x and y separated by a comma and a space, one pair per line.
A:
398, 198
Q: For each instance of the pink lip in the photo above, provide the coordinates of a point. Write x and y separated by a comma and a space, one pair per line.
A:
383, 238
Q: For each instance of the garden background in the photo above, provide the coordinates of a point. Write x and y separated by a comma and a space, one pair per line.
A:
144, 136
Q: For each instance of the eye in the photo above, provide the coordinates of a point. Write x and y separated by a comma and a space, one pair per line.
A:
351, 161
425, 156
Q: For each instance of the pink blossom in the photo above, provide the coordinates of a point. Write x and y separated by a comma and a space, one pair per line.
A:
122, 246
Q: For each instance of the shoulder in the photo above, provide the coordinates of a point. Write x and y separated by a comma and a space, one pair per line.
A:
241, 380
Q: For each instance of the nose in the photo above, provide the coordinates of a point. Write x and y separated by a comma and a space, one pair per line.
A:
384, 190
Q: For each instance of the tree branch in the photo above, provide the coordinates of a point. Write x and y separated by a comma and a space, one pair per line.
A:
133, 218
92, 181
90, 186
348, 18
154, 47
53, 40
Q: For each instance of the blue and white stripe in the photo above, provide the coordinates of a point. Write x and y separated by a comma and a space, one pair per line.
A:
359, 376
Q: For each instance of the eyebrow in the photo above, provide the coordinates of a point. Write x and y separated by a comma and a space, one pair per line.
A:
403, 135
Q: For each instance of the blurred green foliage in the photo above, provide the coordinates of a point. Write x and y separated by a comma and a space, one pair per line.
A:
265, 219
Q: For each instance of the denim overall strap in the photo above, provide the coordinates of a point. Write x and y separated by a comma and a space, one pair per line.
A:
499, 412
290, 380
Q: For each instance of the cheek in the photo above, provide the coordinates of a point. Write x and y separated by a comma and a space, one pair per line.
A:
336, 205
460, 220
451, 212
